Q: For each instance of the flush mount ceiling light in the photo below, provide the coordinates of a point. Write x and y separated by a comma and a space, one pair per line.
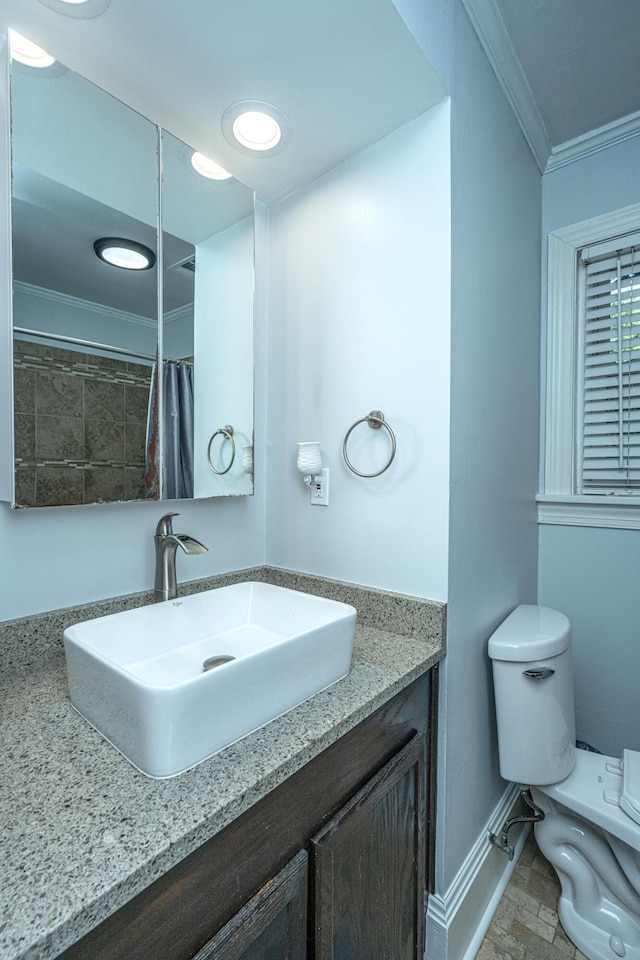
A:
208, 168
256, 128
27, 52
127, 254
78, 8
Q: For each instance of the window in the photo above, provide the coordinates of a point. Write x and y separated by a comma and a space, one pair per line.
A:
592, 398
608, 404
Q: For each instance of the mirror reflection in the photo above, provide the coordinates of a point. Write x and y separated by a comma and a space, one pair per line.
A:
208, 244
95, 421
84, 168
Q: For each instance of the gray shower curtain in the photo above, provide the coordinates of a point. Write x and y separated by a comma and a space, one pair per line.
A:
177, 445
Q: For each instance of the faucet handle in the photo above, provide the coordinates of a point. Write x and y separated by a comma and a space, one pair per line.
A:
165, 527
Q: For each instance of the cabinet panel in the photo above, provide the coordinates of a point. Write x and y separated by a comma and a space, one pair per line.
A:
180, 911
369, 867
272, 925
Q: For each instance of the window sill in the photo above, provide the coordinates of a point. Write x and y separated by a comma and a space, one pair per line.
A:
589, 511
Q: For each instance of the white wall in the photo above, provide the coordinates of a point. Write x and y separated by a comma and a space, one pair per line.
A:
61, 556
359, 320
592, 573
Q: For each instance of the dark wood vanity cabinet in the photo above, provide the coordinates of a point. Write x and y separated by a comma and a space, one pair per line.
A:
272, 925
328, 866
369, 867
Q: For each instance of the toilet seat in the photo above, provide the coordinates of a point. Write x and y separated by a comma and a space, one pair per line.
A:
590, 791
622, 786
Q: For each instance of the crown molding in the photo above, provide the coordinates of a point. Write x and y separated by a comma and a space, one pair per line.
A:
65, 298
178, 313
496, 43
594, 141
171, 316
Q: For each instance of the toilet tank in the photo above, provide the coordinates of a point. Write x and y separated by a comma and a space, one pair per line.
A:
533, 682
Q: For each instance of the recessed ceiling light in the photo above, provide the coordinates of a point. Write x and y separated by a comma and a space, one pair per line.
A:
27, 52
256, 127
208, 168
127, 254
257, 130
84, 9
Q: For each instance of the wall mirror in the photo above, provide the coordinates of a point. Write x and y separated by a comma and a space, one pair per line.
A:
122, 376
208, 244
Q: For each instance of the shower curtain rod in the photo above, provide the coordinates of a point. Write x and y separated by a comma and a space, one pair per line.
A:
17, 331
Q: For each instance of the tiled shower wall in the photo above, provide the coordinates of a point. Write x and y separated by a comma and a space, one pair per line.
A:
80, 426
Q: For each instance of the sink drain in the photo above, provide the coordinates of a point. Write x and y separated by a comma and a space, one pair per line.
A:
212, 662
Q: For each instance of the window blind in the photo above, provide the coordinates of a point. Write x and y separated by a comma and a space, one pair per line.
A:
609, 387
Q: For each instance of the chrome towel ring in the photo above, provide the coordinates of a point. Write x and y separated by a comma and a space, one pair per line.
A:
227, 433
375, 419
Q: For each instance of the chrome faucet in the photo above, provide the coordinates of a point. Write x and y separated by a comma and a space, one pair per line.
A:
167, 543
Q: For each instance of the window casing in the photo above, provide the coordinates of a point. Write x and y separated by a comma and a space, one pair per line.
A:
592, 397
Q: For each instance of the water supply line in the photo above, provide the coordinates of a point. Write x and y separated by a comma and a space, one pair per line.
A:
502, 841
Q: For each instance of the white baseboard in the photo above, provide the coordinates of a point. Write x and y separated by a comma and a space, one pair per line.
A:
458, 921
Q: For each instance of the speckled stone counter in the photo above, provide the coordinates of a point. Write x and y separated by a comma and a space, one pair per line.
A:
83, 831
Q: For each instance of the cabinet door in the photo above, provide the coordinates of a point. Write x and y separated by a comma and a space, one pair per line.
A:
272, 925
369, 867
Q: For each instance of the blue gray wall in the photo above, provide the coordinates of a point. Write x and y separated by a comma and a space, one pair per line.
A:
592, 573
495, 330
494, 419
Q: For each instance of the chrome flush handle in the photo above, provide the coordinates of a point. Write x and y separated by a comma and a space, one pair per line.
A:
540, 673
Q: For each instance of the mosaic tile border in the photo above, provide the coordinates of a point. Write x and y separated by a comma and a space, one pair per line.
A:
90, 369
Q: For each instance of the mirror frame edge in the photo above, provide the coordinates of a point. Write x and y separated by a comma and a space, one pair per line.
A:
7, 471
159, 364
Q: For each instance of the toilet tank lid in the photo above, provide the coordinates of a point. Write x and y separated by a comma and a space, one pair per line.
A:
531, 633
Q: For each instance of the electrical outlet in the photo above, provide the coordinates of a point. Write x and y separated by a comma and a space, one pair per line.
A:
320, 489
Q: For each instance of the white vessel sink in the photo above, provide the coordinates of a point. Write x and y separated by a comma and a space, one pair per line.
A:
138, 676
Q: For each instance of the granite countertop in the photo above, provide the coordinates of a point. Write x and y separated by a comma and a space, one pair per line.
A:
83, 831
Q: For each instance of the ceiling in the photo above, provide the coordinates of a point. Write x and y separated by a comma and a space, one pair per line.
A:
101, 180
571, 69
345, 74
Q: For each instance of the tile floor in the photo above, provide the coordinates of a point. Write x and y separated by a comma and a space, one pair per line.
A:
526, 925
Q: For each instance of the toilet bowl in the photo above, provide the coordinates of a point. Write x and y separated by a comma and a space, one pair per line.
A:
591, 829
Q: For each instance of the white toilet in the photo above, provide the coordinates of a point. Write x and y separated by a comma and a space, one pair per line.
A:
591, 829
